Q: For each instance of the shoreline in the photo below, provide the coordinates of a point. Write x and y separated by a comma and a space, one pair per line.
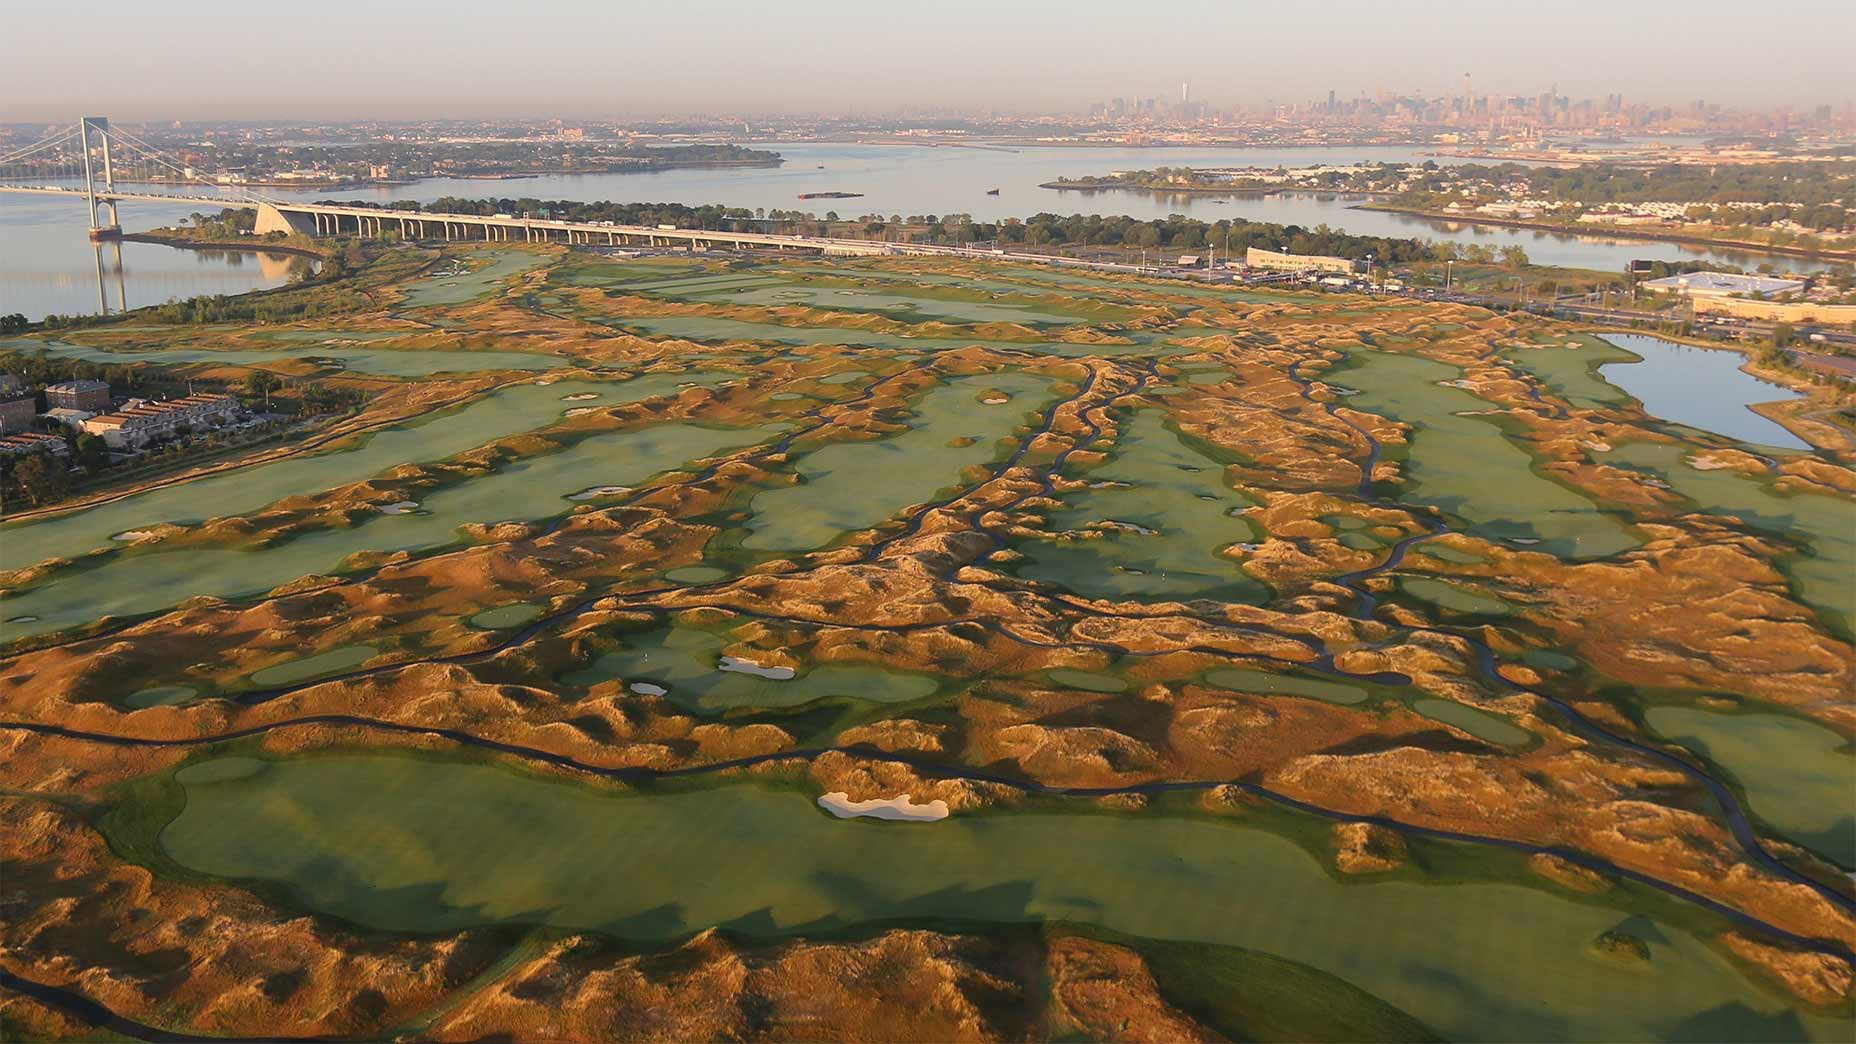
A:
215, 244
1212, 190
1621, 232
1194, 190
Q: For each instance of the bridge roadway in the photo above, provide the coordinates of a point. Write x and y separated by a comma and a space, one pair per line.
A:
315, 219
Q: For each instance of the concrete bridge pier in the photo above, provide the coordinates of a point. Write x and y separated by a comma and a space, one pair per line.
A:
271, 219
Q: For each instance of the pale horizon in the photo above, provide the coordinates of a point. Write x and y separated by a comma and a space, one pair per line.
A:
211, 60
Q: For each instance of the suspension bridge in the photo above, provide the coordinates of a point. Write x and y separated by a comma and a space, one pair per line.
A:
103, 165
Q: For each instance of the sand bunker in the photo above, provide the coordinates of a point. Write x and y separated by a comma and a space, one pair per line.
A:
900, 808
403, 507
595, 492
736, 663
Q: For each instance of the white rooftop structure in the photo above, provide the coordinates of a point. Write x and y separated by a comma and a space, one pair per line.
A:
67, 417
1721, 284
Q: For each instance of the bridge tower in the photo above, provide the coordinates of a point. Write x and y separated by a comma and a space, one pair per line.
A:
101, 126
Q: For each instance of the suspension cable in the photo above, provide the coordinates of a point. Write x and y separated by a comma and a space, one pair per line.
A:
145, 151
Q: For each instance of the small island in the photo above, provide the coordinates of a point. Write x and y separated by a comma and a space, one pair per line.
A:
831, 195
1224, 181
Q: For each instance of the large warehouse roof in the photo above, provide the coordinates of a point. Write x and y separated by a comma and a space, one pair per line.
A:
1725, 283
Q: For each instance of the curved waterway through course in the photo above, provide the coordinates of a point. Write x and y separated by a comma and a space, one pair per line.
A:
396, 843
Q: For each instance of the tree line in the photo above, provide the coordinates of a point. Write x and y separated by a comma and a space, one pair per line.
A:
1175, 232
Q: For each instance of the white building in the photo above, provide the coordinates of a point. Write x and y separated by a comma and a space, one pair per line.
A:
1273, 261
1723, 284
141, 421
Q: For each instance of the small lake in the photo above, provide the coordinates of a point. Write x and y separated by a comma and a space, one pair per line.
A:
1700, 387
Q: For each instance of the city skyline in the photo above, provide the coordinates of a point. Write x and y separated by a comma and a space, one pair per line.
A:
585, 62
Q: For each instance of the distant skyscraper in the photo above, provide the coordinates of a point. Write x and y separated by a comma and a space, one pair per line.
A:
1185, 92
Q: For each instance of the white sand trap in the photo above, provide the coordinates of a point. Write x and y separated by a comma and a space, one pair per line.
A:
1122, 527
839, 804
647, 689
595, 492
133, 534
545, 381
22, 619
996, 400
1702, 462
736, 663
580, 397
578, 410
404, 507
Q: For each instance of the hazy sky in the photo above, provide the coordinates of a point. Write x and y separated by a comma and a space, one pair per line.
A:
202, 59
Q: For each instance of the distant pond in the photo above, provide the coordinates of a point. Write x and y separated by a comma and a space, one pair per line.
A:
1700, 387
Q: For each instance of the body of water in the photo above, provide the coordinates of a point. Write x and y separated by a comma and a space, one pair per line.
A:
48, 266
1700, 387
915, 179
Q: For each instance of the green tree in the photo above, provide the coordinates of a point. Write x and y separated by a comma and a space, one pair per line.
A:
92, 451
41, 478
259, 384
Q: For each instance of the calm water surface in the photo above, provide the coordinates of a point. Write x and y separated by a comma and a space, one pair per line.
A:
911, 179
1700, 387
47, 265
